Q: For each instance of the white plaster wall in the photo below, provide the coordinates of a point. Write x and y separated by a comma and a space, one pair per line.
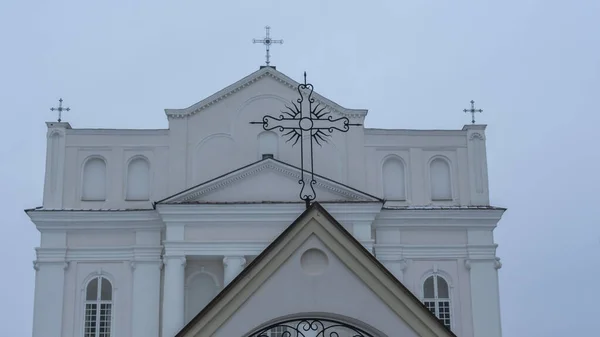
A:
212, 270
220, 139
457, 277
319, 293
76, 277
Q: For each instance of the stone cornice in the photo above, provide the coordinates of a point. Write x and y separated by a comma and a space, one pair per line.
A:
119, 132
250, 214
253, 78
215, 248
282, 168
414, 132
398, 251
74, 219
439, 218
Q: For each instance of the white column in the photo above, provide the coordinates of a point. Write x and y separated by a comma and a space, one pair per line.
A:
173, 295
48, 301
485, 297
233, 265
146, 298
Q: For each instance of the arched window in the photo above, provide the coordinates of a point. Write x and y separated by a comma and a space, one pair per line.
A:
436, 297
94, 180
268, 144
394, 186
98, 308
441, 186
138, 180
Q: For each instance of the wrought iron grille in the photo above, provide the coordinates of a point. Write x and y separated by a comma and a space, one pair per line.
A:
311, 327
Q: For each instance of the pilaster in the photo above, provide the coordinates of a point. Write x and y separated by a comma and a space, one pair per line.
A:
173, 295
146, 266
55, 164
233, 265
50, 269
417, 193
477, 160
483, 266
178, 162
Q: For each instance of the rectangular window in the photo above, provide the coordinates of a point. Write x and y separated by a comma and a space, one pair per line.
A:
267, 155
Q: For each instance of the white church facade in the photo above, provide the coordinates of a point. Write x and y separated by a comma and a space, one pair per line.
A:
198, 229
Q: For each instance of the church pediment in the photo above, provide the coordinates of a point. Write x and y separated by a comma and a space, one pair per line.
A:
315, 272
252, 79
267, 180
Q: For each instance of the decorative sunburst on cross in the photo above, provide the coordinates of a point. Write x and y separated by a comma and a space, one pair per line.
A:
306, 118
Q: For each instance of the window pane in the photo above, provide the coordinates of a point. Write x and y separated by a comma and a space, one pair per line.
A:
443, 291
92, 290
428, 288
106, 290
90, 320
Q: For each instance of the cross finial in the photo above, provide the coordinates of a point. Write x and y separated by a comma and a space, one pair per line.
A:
267, 41
473, 111
60, 109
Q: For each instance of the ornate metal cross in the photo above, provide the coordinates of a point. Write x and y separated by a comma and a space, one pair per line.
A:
267, 41
473, 111
302, 120
60, 109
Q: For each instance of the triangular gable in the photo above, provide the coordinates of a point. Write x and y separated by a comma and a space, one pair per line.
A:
316, 222
256, 178
253, 78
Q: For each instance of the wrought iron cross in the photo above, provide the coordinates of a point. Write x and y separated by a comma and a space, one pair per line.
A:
60, 109
473, 111
306, 119
267, 41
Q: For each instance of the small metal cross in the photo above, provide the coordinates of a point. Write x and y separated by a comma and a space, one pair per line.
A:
473, 111
306, 119
267, 41
60, 109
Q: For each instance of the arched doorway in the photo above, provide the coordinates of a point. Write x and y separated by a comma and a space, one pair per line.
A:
311, 327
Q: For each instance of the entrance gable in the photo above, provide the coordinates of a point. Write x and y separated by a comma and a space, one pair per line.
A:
315, 266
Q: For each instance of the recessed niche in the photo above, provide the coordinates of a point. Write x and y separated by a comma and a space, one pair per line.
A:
314, 261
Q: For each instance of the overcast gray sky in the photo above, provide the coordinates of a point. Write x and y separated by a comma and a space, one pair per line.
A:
532, 65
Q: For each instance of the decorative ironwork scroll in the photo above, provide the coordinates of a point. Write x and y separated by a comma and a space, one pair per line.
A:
311, 327
305, 119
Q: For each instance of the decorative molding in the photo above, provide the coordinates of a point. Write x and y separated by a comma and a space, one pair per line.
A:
240, 259
468, 264
497, 263
59, 132
36, 265
476, 135
386, 251
261, 166
248, 81
167, 259
95, 219
403, 265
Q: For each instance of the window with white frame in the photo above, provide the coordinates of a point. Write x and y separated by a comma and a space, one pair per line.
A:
436, 297
98, 308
